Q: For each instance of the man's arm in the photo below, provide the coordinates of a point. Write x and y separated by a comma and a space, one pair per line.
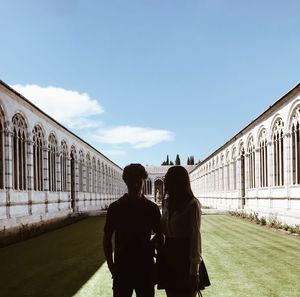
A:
108, 252
158, 239
109, 229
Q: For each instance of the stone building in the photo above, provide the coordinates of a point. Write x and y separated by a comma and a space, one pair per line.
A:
258, 169
46, 171
154, 186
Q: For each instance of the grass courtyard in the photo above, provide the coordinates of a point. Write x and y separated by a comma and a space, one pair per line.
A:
243, 259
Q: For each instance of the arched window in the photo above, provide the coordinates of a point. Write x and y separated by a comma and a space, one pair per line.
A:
1, 151
103, 179
52, 162
296, 146
94, 175
63, 166
228, 171
19, 152
263, 159
38, 141
98, 177
278, 153
88, 173
106, 179
234, 169
80, 170
222, 173
251, 164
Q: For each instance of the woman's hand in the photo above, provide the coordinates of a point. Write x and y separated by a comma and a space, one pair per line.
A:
194, 282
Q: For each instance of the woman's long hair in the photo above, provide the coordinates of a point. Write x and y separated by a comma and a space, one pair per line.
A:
178, 188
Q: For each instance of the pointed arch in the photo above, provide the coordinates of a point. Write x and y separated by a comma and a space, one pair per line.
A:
63, 165
80, 170
38, 168
263, 157
251, 162
2, 158
278, 151
19, 151
88, 173
52, 153
294, 124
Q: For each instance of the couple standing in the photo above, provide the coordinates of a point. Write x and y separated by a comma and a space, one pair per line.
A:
133, 219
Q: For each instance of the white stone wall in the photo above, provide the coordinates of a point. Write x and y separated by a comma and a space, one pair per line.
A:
30, 206
214, 185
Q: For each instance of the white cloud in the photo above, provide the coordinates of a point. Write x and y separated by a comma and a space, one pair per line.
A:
67, 107
137, 137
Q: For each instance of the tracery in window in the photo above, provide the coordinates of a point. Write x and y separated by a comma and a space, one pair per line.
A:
52, 146
2, 175
263, 159
88, 173
278, 150
251, 164
38, 141
19, 152
80, 171
98, 177
94, 175
63, 166
295, 135
227, 172
234, 183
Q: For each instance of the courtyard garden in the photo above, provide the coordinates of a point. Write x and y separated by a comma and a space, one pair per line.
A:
242, 258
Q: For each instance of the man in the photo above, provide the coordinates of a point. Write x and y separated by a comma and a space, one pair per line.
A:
132, 219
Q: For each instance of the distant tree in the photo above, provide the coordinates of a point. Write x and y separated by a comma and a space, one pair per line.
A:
192, 161
188, 161
171, 163
163, 163
177, 161
167, 162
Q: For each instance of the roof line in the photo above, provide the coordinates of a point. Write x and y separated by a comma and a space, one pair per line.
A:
41, 111
250, 124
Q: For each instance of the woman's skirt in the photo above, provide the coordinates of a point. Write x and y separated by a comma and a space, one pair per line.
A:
173, 266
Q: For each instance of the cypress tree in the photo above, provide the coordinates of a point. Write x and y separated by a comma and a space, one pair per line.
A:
177, 161
188, 161
167, 162
192, 161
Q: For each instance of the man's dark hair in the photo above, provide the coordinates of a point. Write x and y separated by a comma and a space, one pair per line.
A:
134, 171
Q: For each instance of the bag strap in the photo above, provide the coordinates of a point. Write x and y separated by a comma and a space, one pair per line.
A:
199, 294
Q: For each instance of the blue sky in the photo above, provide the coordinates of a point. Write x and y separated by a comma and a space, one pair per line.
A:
142, 79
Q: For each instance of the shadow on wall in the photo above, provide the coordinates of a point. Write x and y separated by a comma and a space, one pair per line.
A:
57, 263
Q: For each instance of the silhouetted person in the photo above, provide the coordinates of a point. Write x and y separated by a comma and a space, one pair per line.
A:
180, 257
132, 218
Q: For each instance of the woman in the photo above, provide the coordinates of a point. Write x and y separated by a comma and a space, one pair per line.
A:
180, 258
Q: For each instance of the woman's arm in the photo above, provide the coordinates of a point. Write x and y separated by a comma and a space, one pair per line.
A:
195, 237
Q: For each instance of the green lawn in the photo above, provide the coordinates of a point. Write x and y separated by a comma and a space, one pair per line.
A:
243, 259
